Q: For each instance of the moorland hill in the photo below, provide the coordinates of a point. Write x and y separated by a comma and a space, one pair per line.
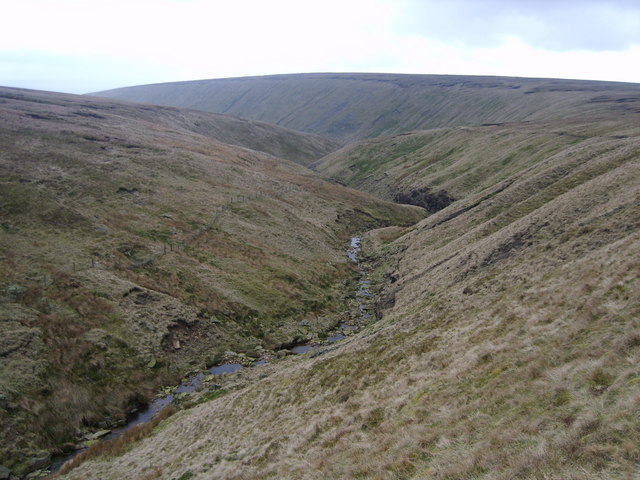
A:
348, 107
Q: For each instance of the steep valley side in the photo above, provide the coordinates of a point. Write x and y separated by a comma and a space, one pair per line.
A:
508, 344
449, 164
135, 249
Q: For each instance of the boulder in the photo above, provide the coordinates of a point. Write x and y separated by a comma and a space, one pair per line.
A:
32, 464
40, 461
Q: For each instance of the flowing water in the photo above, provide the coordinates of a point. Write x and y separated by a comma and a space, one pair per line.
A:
195, 381
189, 385
363, 294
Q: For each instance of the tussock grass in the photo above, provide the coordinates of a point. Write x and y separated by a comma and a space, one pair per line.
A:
510, 350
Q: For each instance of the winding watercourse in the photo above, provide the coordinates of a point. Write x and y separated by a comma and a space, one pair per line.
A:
196, 381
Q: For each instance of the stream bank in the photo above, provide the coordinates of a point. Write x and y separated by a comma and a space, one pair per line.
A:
207, 384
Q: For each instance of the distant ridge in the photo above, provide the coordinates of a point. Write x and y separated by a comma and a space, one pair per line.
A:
352, 106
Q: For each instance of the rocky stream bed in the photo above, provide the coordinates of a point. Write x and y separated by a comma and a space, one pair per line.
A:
208, 383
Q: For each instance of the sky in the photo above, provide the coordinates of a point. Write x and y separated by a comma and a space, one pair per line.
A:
81, 46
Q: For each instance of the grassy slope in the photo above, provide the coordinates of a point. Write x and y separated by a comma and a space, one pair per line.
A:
110, 258
509, 346
461, 160
348, 107
263, 137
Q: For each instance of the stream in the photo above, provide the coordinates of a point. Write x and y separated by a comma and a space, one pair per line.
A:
196, 381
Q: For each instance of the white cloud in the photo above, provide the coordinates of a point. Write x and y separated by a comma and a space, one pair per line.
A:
558, 25
513, 57
86, 45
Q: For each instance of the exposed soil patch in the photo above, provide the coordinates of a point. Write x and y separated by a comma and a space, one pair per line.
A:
425, 198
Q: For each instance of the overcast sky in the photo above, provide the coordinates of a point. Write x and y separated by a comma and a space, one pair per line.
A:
80, 46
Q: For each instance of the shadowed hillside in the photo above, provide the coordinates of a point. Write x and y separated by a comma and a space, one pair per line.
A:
134, 248
348, 107
509, 339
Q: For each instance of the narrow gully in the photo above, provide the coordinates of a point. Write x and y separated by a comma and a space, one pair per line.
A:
196, 381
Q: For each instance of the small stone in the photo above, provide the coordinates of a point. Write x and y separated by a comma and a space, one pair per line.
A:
39, 462
97, 435
37, 474
15, 292
5, 473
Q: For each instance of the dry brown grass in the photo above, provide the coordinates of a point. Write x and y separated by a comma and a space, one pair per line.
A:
510, 351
